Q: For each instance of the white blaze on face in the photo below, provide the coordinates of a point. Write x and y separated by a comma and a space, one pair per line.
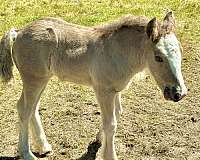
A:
170, 47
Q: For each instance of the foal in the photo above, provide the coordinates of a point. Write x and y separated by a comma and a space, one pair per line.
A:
104, 57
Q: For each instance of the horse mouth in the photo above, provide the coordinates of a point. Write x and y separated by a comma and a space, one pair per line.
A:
168, 95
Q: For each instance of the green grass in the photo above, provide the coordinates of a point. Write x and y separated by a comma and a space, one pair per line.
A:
18, 13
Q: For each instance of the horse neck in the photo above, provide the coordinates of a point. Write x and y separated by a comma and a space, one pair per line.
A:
132, 46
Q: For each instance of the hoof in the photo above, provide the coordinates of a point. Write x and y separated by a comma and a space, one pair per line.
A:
46, 150
30, 156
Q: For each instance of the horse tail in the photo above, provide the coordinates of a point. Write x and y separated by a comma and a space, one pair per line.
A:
6, 61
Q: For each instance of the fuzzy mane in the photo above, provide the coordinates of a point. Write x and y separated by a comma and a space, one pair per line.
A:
138, 23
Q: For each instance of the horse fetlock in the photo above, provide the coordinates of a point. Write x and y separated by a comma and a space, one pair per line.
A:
20, 150
44, 148
109, 153
25, 152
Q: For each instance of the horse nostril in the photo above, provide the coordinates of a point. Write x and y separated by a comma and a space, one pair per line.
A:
167, 90
167, 93
177, 97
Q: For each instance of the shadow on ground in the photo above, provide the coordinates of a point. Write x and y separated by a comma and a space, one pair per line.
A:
89, 155
17, 157
91, 151
8, 158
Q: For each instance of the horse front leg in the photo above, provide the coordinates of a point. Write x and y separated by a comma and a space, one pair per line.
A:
118, 112
106, 100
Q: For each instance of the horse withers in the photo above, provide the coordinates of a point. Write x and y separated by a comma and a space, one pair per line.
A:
104, 57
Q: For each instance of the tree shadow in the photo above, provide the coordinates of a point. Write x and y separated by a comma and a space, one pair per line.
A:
91, 151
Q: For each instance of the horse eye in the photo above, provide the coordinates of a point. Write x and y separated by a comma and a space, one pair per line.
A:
158, 59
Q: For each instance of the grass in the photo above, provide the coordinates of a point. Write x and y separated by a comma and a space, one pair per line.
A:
17, 13
146, 130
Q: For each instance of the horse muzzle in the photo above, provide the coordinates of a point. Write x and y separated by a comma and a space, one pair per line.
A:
174, 93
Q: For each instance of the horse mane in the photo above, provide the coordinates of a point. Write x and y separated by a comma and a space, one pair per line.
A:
138, 23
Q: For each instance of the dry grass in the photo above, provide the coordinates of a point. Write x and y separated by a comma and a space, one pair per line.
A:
150, 127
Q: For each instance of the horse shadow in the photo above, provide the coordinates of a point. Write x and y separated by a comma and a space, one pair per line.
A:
90, 154
17, 157
8, 158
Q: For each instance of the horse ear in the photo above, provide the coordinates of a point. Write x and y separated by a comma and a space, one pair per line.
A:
152, 29
169, 22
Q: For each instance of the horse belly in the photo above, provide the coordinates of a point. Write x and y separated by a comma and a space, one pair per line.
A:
72, 70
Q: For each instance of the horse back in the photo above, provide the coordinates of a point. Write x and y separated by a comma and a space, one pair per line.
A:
52, 46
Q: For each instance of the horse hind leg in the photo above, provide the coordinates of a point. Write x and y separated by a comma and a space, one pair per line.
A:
118, 105
39, 138
26, 107
24, 116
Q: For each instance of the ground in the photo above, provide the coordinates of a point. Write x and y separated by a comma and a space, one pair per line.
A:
150, 127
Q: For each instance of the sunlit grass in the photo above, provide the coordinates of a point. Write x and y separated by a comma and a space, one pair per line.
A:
19, 12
